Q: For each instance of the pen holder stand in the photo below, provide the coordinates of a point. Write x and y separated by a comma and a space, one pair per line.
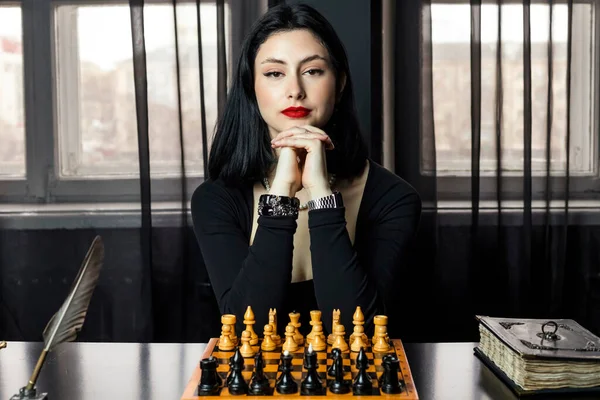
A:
29, 394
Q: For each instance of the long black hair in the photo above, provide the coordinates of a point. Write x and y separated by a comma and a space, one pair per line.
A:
241, 151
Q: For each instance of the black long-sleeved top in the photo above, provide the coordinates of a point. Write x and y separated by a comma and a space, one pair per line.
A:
344, 276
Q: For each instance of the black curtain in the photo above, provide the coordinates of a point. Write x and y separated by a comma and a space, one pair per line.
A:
179, 303
499, 235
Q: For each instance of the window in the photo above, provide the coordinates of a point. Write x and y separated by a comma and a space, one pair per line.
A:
97, 129
12, 107
75, 90
451, 81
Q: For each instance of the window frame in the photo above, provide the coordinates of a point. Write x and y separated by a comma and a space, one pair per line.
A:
41, 184
581, 186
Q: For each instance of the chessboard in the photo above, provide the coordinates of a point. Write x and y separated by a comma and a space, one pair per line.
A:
272, 361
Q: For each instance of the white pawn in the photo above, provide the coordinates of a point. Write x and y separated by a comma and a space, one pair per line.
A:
319, 343
268, 344
290, 345
246, 350
358, 342
340, 341
225, 343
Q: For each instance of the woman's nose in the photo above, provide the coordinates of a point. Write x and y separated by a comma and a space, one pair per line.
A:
295, 89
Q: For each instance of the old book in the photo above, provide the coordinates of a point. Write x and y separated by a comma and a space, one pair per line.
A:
540, 355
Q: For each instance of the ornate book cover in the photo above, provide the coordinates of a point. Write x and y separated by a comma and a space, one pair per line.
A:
562, 339
541, 357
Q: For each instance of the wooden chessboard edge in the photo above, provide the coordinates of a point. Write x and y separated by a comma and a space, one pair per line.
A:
190, 389
400, 346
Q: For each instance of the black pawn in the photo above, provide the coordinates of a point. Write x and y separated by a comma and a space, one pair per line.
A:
312, 384
335, 352
259, 383
363, 385
389, 382
236, 382
286, 383
338, 385
210, 381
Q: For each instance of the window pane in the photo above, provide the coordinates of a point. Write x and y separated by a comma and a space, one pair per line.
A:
451, 33
100, 139
12, 108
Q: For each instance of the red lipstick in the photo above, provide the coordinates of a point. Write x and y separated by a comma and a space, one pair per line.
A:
296, 112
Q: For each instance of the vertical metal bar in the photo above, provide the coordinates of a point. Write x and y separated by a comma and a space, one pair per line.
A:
375, 143
527, 178
39, 97
475, 111
221, 58
141, 101
388, 12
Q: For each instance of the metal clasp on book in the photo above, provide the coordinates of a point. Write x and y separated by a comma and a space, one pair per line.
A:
549, 334
590, 346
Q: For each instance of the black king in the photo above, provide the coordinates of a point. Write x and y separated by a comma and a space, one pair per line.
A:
312, 384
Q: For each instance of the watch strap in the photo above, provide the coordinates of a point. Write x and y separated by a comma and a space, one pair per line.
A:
333, 200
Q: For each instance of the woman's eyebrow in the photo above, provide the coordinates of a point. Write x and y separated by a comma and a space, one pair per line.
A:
304, 60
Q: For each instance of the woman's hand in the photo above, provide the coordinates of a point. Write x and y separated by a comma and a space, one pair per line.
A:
288, 178
310, 144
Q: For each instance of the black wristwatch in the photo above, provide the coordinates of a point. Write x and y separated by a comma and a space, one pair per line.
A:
334, 200
278, 206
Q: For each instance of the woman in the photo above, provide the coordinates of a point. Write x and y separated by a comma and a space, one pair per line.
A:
294, 215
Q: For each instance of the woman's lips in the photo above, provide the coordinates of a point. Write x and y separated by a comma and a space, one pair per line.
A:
296, 112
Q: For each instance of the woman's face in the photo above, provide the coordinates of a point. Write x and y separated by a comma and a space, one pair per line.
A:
294, 81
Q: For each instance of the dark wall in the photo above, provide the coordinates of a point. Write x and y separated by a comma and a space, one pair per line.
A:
37, 268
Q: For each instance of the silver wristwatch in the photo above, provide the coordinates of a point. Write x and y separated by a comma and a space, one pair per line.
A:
334, 200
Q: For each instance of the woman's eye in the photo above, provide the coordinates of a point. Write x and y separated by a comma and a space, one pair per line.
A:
314, 71
274, 74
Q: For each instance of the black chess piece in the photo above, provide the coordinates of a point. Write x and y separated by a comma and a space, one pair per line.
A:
286, 383
259, 383
235, 381
334, 353
210, 381
383, 363
363, 385
228, 378
312, 384
389, 381
338, 385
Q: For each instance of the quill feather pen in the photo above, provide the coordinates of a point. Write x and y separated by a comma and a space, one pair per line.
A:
68, 320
